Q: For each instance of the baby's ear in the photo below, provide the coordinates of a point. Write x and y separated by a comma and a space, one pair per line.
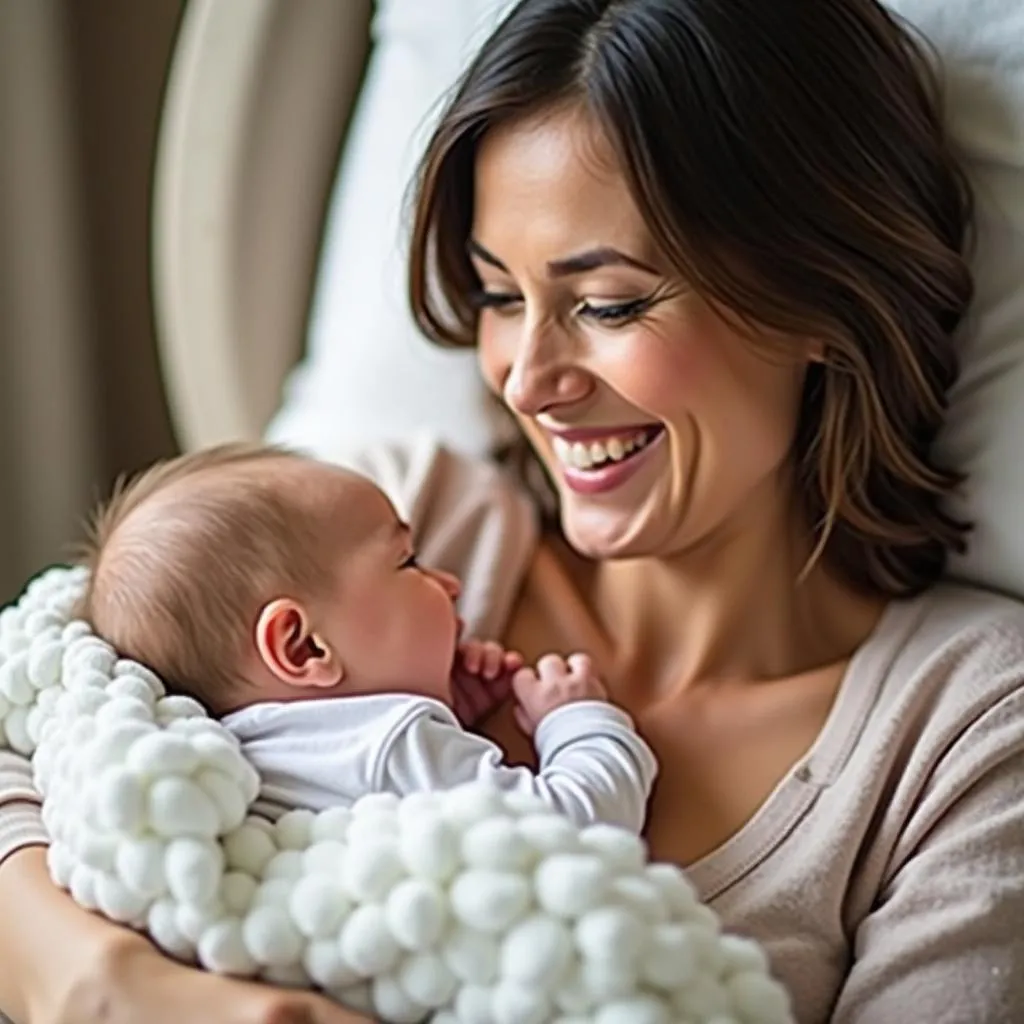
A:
290, 649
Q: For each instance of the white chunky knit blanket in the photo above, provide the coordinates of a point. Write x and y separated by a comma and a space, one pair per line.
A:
466, 906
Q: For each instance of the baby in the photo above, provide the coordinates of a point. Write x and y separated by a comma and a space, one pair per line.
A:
285, 594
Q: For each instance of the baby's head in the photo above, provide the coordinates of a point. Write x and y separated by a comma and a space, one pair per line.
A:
243, 574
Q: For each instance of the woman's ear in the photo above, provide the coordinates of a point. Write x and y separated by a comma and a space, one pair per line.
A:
291, 650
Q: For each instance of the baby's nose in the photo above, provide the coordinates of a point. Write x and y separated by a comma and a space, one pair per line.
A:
450, 583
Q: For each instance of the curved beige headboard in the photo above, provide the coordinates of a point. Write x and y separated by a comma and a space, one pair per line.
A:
258, 99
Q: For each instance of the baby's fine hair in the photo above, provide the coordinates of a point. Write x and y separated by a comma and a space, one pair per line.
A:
183, 556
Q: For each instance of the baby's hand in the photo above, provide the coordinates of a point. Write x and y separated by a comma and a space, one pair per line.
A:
482, 679
487, 658
556, 681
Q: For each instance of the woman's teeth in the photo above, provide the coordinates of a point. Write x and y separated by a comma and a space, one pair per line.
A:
591, 454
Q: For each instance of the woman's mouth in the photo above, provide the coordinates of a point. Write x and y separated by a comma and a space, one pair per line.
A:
593, 462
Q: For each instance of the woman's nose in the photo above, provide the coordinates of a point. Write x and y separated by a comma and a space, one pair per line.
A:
542, 374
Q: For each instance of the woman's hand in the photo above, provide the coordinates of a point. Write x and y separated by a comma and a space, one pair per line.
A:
482, 679
134, 982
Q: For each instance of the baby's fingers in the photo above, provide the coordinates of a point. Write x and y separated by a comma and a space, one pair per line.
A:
552, 667
580, 664
487, 658
471, 655
523, 682
513, 661
493, 660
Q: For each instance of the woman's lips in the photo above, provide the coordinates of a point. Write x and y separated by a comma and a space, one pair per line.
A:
572, 434
611, 474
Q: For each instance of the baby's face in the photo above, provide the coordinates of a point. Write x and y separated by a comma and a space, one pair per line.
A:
392, 621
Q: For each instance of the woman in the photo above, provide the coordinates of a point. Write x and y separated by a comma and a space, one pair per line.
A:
710, 253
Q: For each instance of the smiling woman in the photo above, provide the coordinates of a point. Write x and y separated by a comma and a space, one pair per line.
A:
744, 294
711, 257
612, 343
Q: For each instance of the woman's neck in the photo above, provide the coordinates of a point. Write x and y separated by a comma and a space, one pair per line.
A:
735, 608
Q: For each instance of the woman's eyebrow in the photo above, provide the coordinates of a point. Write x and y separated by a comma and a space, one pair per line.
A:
474, 248
592, 259
579, 263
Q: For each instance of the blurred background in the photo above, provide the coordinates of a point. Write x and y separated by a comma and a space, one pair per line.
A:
81, 84
176, 229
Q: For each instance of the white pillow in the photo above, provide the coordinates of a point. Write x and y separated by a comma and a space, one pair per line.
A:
361, 332
981, 43
369, 374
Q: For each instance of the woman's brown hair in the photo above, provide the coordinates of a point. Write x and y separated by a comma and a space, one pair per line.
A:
790, 160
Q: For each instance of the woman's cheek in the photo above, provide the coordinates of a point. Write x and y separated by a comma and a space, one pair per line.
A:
659, 374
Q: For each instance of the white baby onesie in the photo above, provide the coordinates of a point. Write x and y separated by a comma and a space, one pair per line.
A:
594, 767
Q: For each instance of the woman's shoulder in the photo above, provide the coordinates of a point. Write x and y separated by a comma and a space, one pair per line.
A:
947, 670
964, 609
468, 517
958, 632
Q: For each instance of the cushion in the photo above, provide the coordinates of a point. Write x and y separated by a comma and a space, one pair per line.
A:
981, 43
369, 374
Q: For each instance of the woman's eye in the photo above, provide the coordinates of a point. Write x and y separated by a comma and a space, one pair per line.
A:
498, 301
611, 314
617, 313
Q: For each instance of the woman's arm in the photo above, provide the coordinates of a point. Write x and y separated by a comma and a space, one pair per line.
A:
945, 940
21, 822
63, 965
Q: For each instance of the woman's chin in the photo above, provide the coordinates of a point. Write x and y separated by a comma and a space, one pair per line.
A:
601, 536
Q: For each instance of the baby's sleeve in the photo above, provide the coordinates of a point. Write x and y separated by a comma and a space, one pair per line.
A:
428, 753
467, 516
594, 766
593, 758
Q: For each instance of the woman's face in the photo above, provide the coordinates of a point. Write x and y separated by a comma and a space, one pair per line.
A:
659, 424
